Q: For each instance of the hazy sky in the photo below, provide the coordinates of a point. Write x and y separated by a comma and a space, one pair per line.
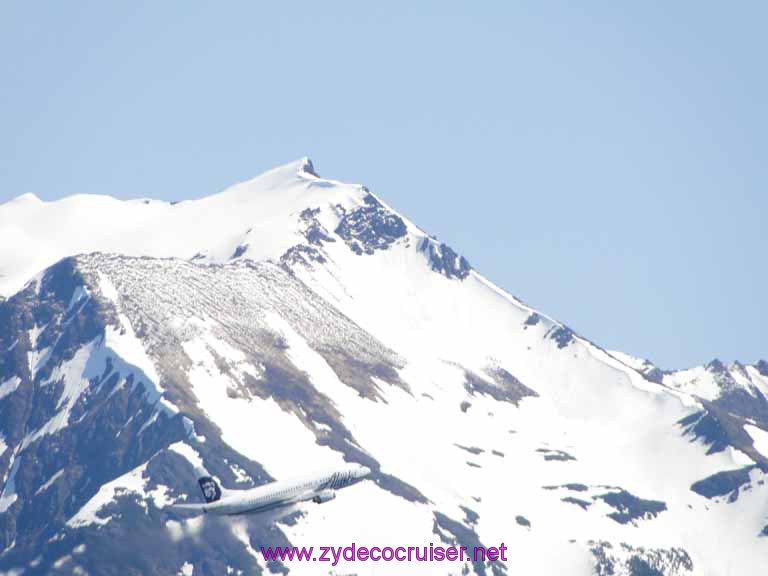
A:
604, 161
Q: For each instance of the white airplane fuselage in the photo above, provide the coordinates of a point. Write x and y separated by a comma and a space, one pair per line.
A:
319, 487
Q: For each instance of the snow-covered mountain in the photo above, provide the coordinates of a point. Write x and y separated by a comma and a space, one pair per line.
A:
293, 322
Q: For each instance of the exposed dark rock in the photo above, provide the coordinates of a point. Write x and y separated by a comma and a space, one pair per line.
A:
639, 561
736, 399
239, 251
111, 429
719, 428
308, 168
639, 567
629, 507
532, 320
573, 487
716, 367
650, 372
470, 516
302, 254
444, 260
523, 521
740, 402
654, 375
762, 367
359, 373
583, 504
457, 534
557, 455
505, 386
722, 483
316, 235
705, 426
370, 227
560, 334
314, 232
604, 564
471, 449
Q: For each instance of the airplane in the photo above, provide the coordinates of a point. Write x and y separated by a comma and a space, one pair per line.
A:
318, 487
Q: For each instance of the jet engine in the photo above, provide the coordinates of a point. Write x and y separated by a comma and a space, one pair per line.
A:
324, 496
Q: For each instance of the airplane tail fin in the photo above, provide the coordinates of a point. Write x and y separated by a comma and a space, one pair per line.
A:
210, 488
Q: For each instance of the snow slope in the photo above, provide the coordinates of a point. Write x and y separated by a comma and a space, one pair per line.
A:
35, 234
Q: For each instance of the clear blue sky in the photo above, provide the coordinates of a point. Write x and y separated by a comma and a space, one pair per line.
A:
604, 161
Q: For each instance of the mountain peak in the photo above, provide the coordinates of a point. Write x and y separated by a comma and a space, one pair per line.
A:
716, 366
307, 167
27, 198
280, 175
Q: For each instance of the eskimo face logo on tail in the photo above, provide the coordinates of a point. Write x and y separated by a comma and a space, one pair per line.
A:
211, 490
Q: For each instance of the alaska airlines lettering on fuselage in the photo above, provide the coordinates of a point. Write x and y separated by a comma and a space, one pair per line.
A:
317, 487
